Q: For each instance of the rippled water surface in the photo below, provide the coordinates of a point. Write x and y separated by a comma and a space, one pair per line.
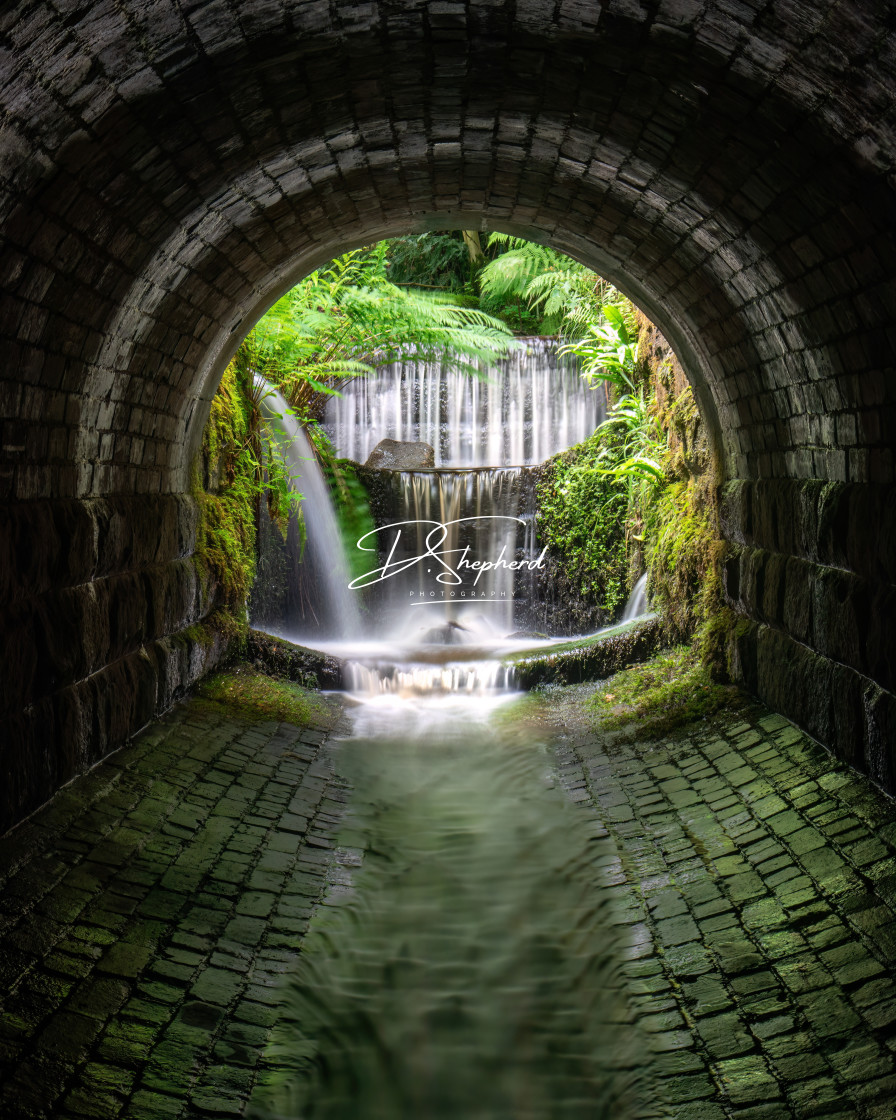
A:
467, 967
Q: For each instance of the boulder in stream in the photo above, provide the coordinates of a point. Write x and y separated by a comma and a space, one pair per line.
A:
401, 455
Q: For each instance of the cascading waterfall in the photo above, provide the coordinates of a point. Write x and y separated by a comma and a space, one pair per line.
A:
334, 612
453, 566
524, 409
637, 605
479, 528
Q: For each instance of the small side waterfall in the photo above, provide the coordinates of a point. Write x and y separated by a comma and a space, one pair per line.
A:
332, 611
524, 409
637, 604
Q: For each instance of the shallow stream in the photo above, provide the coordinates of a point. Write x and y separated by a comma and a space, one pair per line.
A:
465, 964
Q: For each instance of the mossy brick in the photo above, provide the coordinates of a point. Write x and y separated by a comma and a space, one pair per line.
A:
724, 1035
68, 1036
861, 1060
798, 1067
127, 1043
751, 982
159, 992
172, 972
215, 1103
163, 904
827, 1013
126, 958
747, 1079
734, 955
217, 986
256, 1014
784, 823
747, 885
100, 998
805, 840
678, 930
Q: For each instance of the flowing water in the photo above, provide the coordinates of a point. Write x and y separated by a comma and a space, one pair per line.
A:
637, 605
520, 411
465, 964
334, 610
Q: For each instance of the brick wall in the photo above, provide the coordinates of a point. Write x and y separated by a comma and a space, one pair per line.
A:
167, 169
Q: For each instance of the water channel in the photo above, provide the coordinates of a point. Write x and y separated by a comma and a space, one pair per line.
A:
466, 962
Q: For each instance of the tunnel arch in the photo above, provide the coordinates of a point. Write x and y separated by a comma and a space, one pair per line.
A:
166, 173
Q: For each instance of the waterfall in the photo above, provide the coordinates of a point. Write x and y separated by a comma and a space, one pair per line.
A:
456, 544
637, 604
334, 611
524, 409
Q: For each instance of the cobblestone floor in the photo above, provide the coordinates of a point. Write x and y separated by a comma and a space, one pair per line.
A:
148, 913
761, 884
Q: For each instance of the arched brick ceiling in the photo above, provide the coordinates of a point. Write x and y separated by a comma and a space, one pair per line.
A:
168, 169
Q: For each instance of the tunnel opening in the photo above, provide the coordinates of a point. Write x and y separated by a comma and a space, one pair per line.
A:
553, 539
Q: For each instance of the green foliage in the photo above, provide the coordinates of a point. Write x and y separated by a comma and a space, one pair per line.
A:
227, 495
671, 689
631, 446
348, 318
608, 348
684, 556
430, 260
538, 288
581, 510
258, 698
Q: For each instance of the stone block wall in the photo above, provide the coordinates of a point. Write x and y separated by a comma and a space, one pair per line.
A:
102, 596
813, 571
166, 172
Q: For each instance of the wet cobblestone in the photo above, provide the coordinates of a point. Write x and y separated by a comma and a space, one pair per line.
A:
148, 913
760, 877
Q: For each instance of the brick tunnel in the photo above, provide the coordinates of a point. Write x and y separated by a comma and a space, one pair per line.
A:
168, 170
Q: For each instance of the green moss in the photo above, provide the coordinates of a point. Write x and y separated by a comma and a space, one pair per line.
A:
684, 556
352, 506
672, 689
258, 698
581, 515
226, 487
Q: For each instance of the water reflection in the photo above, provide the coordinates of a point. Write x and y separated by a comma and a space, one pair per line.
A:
472, 970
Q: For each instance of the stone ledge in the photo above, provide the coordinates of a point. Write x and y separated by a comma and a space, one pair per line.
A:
594, 659
280, 658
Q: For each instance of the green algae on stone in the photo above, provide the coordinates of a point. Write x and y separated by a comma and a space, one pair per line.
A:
256, 697
670, 690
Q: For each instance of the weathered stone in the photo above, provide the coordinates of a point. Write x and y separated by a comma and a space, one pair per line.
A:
400, 455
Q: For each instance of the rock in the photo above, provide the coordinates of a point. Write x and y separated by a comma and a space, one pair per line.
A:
400, 455
447, 635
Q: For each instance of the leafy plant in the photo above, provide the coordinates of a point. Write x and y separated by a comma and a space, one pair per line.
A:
608, 348
430, 260
581, 511
631, 446
347, 319
541, 286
